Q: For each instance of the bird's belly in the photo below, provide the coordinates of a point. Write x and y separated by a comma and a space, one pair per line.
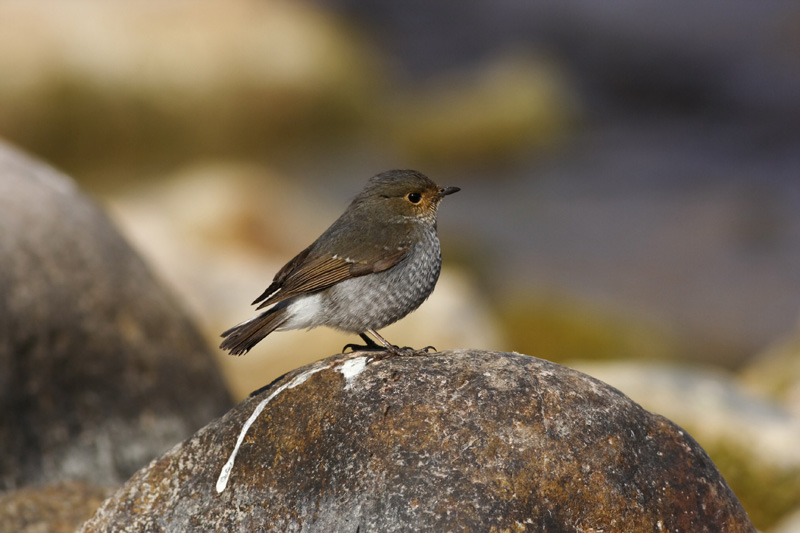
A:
377, 300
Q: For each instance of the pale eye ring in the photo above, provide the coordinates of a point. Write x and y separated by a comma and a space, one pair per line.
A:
414, 197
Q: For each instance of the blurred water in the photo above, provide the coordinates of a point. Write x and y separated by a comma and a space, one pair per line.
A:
678, 198
654, 222
671, 191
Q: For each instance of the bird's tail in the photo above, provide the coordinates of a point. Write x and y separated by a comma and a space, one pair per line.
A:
239, 339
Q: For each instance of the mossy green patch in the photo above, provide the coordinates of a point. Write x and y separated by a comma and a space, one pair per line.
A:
766, 492
562, 328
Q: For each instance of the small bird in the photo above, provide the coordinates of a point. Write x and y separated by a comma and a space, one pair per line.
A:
374, 265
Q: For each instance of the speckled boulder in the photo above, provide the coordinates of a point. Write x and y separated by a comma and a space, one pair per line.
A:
453, 441
100, 370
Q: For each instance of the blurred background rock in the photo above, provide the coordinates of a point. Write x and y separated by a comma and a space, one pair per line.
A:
630, 173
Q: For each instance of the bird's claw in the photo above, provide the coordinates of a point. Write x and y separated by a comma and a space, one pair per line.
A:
405, 351
387, 350
363, 348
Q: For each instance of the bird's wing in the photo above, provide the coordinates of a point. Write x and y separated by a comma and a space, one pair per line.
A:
308, 272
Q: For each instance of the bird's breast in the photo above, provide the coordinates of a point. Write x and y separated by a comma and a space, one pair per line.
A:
376, 300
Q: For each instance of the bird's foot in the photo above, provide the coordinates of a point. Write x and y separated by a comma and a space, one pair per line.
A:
386, 349
363, 348
405, 351
368, 346
409, 351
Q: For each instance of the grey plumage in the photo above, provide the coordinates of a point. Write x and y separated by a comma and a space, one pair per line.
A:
375, 264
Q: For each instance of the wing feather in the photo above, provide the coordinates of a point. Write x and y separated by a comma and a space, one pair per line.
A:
305, 273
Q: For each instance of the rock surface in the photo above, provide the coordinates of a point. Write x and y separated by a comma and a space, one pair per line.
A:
460, 440
100, 370
752, 440
712, 405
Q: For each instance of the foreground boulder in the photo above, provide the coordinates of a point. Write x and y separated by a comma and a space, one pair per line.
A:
461, 440
100, 370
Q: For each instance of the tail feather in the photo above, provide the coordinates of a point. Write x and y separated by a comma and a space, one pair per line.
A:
241, 338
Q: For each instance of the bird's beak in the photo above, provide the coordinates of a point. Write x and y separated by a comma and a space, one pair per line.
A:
444, 191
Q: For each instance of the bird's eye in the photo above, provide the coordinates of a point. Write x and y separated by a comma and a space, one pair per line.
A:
414, 197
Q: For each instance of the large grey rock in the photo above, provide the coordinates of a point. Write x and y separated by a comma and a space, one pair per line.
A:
713, 406
100, 370
460, 440
752, 439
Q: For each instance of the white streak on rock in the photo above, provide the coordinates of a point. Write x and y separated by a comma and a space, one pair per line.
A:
222, 482
351, 369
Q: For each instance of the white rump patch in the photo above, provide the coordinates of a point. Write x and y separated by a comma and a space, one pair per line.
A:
303, 312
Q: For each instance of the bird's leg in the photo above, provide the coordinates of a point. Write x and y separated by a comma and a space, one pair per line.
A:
369, 346
388, 349
393, 350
